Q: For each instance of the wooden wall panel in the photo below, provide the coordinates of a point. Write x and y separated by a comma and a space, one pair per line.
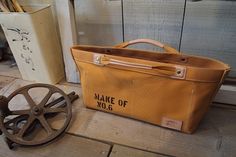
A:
99, 22
68, 34
210, 30
155, 19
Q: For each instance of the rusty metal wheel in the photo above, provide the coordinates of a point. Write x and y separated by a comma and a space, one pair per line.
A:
36, 117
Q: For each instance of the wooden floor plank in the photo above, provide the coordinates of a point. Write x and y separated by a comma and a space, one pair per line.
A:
67, 146
7, 70
121, 151
4, 80
216, 135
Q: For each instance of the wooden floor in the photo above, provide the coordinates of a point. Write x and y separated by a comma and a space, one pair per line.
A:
94, 134
7, 70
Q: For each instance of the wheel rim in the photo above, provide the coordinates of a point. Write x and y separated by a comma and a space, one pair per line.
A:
36, 113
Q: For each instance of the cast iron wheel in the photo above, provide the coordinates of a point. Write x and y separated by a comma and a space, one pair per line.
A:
37, 113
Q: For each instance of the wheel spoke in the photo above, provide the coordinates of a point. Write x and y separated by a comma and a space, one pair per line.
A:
28, 98
46, 98
55, 110
20, 112
25, 126
45, 125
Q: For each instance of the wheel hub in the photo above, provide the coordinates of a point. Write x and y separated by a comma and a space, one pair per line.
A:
37, 111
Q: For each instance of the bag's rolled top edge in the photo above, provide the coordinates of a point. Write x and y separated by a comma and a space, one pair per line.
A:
198, 68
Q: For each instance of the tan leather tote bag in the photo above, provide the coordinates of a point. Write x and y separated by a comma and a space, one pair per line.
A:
169, 89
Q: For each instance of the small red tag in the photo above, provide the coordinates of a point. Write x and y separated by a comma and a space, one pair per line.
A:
171, 123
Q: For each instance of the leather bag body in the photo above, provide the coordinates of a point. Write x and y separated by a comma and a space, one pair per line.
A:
169, 89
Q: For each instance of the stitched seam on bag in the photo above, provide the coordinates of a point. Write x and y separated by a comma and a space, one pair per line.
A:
151, 73
131, 70
195, 80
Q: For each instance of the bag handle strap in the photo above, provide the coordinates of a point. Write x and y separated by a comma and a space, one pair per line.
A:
166, 70
148, 41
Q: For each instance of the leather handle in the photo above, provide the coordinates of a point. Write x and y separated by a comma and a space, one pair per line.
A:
171, 71
148, 41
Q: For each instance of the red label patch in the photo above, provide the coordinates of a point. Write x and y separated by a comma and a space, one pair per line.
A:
171, 123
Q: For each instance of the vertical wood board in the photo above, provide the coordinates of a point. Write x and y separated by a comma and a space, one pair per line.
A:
159, 20
210, 30
99, 22
66, 21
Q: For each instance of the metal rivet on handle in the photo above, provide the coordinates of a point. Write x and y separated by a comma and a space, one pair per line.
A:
97, 59
178, 72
